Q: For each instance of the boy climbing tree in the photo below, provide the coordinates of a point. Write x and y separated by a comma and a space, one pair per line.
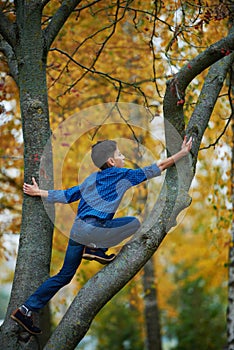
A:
95, 229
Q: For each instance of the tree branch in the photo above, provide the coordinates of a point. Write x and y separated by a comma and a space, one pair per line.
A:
58, 20
206, 101
174, 117
108, 77
79, 316
175, 92
7, 29
111, 26
153, 49
204, 60
229, 119
6, 49
213, 144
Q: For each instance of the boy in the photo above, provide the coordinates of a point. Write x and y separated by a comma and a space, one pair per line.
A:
94, 227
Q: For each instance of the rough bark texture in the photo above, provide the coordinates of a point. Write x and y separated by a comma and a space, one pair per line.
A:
34, 253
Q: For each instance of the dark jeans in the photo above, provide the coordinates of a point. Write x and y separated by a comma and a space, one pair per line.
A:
99, 233
73, 259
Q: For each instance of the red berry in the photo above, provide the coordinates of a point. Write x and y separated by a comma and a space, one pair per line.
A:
180, 102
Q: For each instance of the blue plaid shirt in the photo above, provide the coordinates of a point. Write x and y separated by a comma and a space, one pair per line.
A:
100, 194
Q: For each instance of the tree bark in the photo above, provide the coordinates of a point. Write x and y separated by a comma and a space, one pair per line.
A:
35, 245
26, 46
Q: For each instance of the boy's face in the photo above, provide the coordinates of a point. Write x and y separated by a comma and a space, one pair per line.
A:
118, 159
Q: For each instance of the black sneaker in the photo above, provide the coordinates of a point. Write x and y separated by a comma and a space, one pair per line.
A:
25, 321
98, 255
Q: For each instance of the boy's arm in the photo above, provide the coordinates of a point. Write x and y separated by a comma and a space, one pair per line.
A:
34, 190
185, 149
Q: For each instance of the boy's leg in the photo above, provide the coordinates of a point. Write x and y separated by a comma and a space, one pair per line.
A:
110, 233
48, 289
119, 229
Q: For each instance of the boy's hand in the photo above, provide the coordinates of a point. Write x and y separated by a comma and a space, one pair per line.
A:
31, 190
186, 145
185, 149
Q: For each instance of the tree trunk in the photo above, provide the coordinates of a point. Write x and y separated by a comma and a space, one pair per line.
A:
33, 260
152, 318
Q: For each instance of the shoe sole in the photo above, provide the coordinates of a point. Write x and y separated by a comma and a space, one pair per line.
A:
23, 325
98, 259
